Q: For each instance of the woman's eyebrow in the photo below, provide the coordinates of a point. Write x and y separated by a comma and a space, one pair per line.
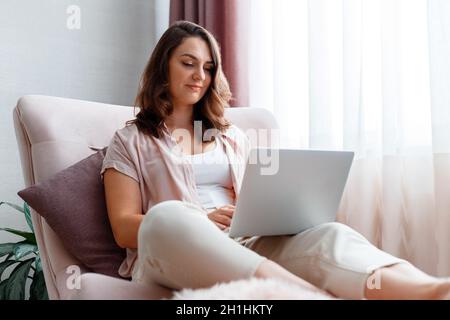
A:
194, 57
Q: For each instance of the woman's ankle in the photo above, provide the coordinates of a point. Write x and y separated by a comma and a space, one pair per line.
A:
441, 290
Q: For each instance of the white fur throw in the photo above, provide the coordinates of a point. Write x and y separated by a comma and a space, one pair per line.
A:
252, 289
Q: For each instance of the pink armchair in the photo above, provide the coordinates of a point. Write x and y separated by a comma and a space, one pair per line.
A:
54, 133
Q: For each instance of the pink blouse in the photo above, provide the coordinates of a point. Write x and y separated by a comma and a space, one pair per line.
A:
161, 170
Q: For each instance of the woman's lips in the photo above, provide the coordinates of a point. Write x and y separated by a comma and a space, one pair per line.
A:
195, 88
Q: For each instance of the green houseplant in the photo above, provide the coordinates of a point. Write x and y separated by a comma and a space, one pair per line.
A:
23, 260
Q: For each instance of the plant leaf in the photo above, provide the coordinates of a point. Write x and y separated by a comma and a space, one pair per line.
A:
12, 205
27, 235
6, 248
23, 249
15, 288
10, 248
5, 264
38, 263
38, 290
2, 289
9, 256
27, 212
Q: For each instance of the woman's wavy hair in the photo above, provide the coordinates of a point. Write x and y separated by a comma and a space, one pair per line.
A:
153, 98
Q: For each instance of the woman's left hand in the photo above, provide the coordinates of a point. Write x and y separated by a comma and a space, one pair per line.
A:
222, 216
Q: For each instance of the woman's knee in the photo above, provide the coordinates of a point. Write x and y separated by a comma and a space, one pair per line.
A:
335, 228
171, 219
324, 238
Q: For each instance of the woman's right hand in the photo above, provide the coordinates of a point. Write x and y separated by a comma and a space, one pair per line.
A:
222, 216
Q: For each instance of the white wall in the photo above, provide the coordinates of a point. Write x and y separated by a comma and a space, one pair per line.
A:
102, 61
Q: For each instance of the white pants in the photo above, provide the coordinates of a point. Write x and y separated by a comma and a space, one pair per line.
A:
179, 247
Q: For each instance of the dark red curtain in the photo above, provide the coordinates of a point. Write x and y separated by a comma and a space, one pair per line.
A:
226, 20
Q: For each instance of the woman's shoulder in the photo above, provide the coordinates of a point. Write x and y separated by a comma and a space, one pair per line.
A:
128, 136
238, 137
234, 131
128, 130
237, 134
131, 133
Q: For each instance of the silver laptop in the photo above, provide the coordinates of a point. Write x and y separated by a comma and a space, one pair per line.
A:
288, 191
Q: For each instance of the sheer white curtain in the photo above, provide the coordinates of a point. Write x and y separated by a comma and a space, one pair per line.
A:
370, 76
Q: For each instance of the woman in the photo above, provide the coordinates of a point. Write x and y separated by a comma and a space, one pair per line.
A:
171, 212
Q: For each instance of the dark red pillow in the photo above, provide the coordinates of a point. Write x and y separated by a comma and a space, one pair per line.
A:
73, 204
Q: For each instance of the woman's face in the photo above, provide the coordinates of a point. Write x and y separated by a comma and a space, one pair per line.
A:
190, 68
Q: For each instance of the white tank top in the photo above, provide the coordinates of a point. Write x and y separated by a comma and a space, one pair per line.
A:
212, 177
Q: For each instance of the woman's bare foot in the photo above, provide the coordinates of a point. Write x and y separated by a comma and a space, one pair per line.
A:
404, 281
442, 291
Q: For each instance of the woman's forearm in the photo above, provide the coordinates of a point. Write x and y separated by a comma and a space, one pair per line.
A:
128, 235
